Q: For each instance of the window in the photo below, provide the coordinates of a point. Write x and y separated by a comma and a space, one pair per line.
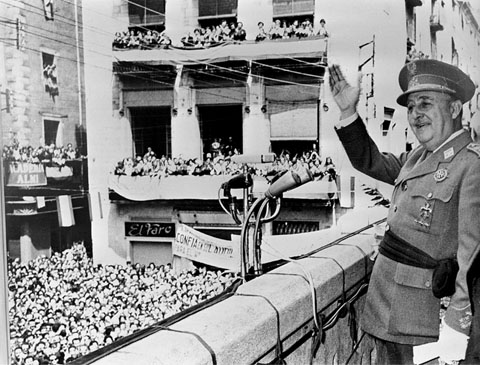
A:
151, 127
50, 131
217, 8
292, 7
149, 13
387, 120
50, 74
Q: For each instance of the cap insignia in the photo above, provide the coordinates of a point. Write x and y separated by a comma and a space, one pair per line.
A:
413, 82
412, 68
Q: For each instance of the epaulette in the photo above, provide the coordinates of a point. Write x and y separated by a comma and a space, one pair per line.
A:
475, 148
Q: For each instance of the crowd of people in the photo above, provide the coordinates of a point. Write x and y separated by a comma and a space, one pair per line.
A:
204, 37
295, 29
211, 35
138, 39
49, 154
219, 164
64, 307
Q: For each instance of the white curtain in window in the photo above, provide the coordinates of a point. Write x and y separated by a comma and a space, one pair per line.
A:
59, 136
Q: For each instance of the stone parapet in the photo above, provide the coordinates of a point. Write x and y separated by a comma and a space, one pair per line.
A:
275, 308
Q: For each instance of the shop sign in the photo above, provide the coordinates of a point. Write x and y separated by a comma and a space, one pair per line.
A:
149, 229
24, 174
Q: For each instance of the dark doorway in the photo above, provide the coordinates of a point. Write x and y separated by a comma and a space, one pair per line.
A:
220, 122
151, 127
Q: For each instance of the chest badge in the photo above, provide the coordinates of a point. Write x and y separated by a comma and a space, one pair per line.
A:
440, 175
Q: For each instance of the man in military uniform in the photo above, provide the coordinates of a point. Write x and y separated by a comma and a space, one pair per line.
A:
431, 220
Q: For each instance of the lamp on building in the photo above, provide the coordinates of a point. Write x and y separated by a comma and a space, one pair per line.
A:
264, 109
174, 112
247, 109
325, 107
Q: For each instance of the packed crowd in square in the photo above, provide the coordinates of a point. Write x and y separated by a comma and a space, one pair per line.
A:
64, 307
204, 37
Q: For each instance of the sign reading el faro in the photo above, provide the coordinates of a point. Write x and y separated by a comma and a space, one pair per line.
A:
149, 229
26, 174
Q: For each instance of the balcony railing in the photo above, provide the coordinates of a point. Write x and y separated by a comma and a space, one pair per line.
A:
435, 23
41, 177
413, 3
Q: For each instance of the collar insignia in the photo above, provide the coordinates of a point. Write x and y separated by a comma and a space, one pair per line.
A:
475, 148
440, 175
448, 153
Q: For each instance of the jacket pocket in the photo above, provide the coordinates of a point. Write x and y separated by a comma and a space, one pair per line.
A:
414, 309
431, 207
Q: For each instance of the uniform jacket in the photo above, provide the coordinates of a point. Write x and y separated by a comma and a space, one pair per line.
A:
435, 206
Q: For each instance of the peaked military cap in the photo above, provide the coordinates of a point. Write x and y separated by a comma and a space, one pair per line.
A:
433, 75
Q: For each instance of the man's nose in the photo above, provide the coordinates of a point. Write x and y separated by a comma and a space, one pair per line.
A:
414, 113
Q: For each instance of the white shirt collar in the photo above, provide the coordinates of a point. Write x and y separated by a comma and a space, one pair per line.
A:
452, 136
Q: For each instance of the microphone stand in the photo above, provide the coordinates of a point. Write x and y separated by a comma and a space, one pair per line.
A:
251, 255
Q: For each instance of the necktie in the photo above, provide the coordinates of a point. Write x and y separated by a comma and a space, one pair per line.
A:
423, 157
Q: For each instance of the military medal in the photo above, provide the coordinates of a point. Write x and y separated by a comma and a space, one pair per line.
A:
440, 175
425, 211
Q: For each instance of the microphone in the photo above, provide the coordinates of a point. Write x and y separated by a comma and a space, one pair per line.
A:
288, 181
241, 181
263, 158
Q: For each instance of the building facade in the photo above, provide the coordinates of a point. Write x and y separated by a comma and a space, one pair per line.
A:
43, 126
268, 95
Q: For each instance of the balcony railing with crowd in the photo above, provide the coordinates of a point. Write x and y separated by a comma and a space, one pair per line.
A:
204, 37
222, 164
50, 155
64, 307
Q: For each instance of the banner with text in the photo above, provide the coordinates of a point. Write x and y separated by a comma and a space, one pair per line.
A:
26, 174
197, 246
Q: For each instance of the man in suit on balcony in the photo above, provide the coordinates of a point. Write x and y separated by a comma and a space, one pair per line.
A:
431, 229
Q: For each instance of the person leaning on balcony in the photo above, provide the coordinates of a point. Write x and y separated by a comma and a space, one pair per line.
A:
433, 213
239, 34
322, 32
261, 33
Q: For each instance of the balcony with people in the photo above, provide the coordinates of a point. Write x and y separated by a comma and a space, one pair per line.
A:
44, 168
161, 176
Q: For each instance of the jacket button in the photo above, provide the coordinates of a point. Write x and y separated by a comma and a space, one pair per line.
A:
427, 284
429, 195
404, 186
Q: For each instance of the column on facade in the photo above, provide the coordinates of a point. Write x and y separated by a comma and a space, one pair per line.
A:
256, 124
186, 141
181, 18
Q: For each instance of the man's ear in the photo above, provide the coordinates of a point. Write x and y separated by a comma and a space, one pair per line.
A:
455, 108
